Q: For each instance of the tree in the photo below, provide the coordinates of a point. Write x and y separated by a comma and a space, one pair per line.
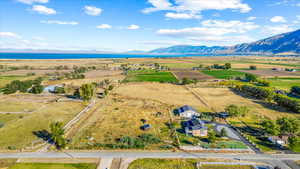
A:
37, 89
227, 66
57, 134
212, 138
236, 111
289, 126
110, 87
223, 132
250, 77
86, 91
185, 81
294, 144
252, 67
59, 90
270, 127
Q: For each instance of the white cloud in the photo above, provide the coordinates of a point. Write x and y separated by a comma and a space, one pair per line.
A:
33, 1
298, 4
158, 5
235, 26
60, 22
133, 27
9, 35
182, 15
92, 10
277, 29
43, 10
195, 6
278, 19
251, 18
214, 30
104, 26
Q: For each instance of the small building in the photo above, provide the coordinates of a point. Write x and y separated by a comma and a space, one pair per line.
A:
195, 127
146, 127
187, 112
279, 140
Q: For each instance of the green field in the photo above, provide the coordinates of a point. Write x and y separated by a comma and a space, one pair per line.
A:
223, 74
7, 79
52, 166
150, 76
284, 83
177, 164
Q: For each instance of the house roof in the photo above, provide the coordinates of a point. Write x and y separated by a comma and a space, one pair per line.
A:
186, 108
195, 124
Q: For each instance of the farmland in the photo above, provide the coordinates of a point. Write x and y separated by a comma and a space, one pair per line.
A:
192, 75
150, 76
223, 74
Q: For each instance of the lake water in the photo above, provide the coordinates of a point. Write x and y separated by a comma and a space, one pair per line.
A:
84, 56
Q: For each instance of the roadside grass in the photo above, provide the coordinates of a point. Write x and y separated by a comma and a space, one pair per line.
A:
178, 163
18, 130
224, 74
226, 167
6, 163
52, 166
150, 76
163, 164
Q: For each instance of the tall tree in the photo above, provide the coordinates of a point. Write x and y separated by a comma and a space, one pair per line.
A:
86, 91
57, 134
289, 126
270, 127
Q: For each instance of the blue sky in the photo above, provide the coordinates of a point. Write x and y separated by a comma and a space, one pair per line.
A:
123, 25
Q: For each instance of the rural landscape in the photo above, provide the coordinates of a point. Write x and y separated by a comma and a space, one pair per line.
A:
149, 84
195, 104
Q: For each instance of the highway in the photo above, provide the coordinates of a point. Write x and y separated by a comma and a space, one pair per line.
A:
281, 157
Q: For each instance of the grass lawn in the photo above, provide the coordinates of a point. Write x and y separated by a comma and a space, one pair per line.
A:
150, 76
52, 166
223, 74
284, 83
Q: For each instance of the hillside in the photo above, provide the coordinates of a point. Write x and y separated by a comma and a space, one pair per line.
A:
283, 43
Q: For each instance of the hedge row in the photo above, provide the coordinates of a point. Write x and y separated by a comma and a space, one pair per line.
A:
270, 95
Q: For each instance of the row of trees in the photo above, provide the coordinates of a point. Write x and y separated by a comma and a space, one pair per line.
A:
32, 86
226, 66
269, 95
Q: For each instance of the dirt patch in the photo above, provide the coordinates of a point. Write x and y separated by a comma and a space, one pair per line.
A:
165, 93
272, 73
102, 73
192, 75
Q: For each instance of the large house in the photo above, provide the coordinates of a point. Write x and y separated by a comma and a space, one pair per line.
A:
187, 112
195, 127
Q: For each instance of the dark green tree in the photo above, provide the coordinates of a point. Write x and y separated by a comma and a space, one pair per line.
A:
86, 91
294, 143
57, 134
289, 126
227, 66
212, 137
270, 127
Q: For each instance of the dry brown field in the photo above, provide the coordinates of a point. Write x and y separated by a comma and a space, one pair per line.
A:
37, 72
219, 98
102, 73
192, 75
121, 115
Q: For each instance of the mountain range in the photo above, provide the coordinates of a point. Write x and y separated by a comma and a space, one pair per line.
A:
283, 43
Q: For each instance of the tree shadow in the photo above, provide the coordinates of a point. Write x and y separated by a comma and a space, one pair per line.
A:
43, 134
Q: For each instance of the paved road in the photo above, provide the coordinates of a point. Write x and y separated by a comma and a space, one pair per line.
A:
150, 155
